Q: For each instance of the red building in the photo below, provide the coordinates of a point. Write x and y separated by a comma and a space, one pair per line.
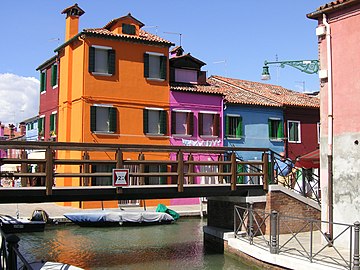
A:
49, 99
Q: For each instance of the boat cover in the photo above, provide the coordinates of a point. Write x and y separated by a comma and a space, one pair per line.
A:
118, 216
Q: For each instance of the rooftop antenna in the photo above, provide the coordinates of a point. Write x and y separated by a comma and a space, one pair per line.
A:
303, 85
174, 33
152, 26
225, 64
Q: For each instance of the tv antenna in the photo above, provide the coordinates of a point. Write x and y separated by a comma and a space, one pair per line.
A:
174, 33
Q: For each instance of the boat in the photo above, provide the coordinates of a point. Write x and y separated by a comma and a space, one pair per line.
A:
106, 218
42, 265
9, 224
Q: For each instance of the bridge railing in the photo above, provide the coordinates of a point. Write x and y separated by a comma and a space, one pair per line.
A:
92, 164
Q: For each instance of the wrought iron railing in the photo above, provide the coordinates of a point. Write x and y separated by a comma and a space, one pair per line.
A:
10, 256
302, 237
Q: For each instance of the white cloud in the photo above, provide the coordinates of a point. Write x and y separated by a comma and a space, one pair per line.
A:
19, 98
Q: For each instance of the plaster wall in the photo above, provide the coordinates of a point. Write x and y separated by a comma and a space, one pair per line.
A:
255, 129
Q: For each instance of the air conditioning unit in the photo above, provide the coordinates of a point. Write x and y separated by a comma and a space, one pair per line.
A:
323, 74
320, 30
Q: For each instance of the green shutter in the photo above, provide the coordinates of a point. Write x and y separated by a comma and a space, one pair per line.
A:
52, 122
190, 123
91, 59
93, 118
146, 65
54, 75
163, 122
163, 67
173, 122
270, 128
43, 81
40, 125
239, 131
145, 121
113, 120
111, 62
280, 131
227, 124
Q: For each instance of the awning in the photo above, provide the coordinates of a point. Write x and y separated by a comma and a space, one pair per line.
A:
309, 160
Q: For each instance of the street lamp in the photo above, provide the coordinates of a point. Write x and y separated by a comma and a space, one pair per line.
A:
307, 66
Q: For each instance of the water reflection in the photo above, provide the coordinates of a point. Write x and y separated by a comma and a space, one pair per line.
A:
175, 246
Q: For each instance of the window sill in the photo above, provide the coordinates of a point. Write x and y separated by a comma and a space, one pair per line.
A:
208, 137
276, 139
182, 135
42, 92
55, 86
101, 74
294, 142
105, 133
234, 139
155, 79
155, 134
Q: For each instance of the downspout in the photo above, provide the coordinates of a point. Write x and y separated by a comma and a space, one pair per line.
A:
330, 127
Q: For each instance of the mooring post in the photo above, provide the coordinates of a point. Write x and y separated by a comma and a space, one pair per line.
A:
274, 244
12, 243
356, 265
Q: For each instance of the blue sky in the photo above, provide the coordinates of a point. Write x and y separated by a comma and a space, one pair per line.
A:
233, 37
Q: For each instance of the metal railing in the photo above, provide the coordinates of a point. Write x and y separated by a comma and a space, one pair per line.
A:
301, 237
10, 256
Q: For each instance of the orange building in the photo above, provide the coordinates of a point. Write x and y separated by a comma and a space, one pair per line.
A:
113, 88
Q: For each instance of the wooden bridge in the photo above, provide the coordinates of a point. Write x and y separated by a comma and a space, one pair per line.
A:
83, 172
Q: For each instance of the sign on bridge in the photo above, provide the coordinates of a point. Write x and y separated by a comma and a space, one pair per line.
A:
120, 177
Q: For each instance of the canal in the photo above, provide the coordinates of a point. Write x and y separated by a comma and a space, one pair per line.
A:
175, 246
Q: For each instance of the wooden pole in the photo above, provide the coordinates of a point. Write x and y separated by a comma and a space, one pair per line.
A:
180, 171
119, 159
233, 171
191, 169
49, 170
24, 169
142, 169
221, 169
86, 156
265, 160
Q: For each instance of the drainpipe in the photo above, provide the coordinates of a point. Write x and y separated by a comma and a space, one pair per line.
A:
330, 127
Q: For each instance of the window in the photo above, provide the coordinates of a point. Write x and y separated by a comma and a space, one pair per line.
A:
43, 81
41, 126
101, 180
233, 126
155, 121
294, 134
103, 119
209, 124
101, 60
182, 122
53, 117
128, 29
276, 130
155, 66
155, 180
54, 75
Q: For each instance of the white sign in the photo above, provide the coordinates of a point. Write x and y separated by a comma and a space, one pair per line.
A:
120, 177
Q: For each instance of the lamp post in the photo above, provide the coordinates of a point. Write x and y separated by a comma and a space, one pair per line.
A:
307, 66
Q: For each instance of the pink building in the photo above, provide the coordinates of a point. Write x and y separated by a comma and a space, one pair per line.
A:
339, 43
196, 112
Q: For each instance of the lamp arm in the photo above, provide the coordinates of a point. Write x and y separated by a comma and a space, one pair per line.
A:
307, 66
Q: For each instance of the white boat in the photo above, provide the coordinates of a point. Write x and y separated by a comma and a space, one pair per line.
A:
53, 266
118, 218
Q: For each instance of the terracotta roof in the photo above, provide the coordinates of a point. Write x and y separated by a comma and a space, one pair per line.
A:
143, 36
331, 6
112, 22
187, 87
268, 93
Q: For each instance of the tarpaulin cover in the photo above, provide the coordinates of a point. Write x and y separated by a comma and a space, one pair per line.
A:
164, 209
309, 160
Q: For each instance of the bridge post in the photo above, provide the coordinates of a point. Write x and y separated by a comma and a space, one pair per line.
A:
272, 165
119, 159
265, 160
356, 264
221, 169
24, 169
274, 244
191, 169
142, 169
49, 170
233, 171
86, 167
180, 171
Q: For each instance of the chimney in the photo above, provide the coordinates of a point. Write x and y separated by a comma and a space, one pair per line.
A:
12, 131
72, 20
22, 127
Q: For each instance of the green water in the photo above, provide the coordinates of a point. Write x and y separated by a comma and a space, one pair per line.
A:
176, 246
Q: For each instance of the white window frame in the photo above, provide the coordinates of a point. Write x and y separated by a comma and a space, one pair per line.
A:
159, 121
105, 48
212, 135
158, 55
187, 124
108, 132
298, 130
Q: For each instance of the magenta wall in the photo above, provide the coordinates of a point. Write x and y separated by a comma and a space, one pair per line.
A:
196, 102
